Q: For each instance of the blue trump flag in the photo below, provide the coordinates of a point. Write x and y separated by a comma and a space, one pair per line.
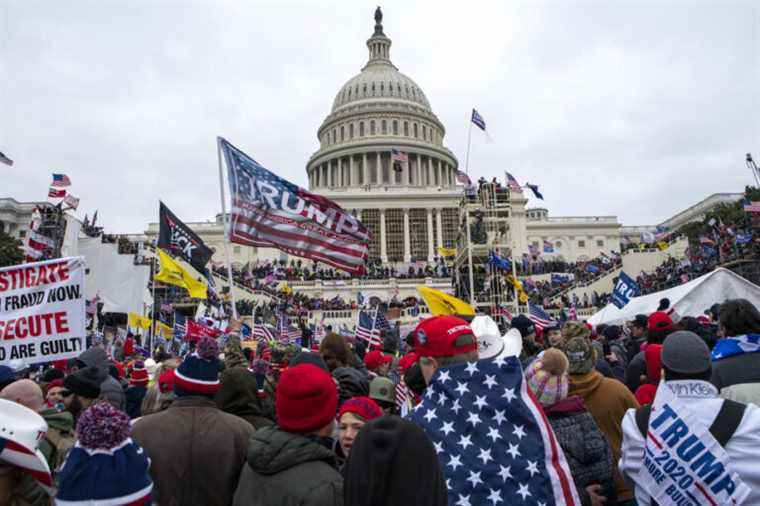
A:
625, 289
498, 262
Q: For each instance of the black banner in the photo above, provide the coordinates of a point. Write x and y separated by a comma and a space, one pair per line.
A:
177, 239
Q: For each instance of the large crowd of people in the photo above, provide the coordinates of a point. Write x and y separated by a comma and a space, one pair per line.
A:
234, 421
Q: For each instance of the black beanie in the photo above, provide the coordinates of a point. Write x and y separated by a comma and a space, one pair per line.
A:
86, 382
306, 357
52, 374
393, 462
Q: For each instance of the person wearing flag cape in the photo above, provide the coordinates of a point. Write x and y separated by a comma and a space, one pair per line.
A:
690, 447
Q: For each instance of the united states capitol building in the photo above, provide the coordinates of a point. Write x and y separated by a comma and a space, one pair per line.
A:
411, 208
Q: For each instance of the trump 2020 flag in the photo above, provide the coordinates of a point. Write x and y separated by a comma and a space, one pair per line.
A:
624, 290
494, 442
271, 212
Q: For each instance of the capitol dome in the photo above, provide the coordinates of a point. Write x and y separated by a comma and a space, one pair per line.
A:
374, 113
381, 156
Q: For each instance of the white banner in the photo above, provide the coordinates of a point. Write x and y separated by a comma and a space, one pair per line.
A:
683, 463
42, 310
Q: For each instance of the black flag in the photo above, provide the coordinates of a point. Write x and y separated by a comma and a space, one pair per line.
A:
176, 238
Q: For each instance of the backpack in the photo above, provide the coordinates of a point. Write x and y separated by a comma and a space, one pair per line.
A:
722, 429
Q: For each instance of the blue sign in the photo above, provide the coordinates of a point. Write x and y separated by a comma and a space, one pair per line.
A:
624, 290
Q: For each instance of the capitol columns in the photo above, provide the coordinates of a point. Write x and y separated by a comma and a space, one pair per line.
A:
383, 247
365, 169
431, 245
351, 175
407, 241
439, 228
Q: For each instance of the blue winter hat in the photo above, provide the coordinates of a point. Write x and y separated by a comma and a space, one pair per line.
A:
105, 466
198, 374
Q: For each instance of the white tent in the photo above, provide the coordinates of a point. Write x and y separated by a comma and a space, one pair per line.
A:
689, 299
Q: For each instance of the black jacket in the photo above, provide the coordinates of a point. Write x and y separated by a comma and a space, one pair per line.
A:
286, 469
735, 370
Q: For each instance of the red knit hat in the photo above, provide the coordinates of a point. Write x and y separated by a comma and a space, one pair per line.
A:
375, 359
436, 337
306, 399
407, 361
365, 407
659, 321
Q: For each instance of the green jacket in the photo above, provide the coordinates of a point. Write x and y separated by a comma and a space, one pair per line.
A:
60, 436
286, 469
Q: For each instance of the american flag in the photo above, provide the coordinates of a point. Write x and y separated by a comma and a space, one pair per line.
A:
54, 193
61, 180
512, 183
501, 311
366, 329
269, 211
288, 333
478, 120
261, 331
463, 178
539, 317
403, 398
399, 156
548, 247
494, 442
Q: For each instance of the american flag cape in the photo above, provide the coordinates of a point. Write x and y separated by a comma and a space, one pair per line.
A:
269, 211
494, 442
366, 329
539, 317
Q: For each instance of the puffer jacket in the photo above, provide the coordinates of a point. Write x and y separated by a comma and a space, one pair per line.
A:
286, 469
586, 450
607, 400
351, 383
196, 452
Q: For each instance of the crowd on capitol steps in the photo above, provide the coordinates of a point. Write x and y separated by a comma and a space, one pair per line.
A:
660, 410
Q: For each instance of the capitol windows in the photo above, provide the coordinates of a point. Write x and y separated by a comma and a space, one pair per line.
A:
342, 133
600, 243
406, 129
581, 243
372, 127
418, 234
414, 127
371, 220
424, 133
373, 171
395, 127
334, 136
394, 234
351, 131
384, 127
386, 170
361, 129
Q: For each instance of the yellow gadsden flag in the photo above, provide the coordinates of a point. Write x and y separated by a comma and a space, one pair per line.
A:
164, 330
174, 274
444, 304
137, 321
446, 252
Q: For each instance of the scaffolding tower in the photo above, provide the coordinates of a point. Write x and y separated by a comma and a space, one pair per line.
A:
484, 217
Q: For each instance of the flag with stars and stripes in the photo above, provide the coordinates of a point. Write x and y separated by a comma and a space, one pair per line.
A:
539, 317
366, 329
269, 211
493, 440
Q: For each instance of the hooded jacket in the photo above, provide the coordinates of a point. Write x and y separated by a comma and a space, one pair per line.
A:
586, 450
607, 400
286, 469
239, 396
60, 437
741, 448
110, 389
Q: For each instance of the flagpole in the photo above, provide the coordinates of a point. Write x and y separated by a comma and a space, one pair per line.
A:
226, 227
467, 156
153, 309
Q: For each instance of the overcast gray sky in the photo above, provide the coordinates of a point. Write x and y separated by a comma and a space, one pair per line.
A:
636, 109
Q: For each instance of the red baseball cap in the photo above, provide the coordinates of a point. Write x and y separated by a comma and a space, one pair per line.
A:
436, 337
406, 362
375, 359
658, 321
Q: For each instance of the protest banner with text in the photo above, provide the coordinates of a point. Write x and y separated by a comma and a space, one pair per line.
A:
42, 310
